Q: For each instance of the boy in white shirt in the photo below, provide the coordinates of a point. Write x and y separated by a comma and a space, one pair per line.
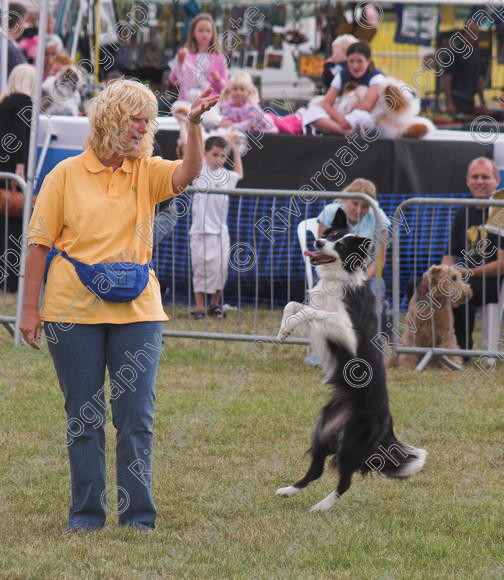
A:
209, 236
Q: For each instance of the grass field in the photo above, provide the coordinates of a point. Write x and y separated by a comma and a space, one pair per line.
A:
231, 427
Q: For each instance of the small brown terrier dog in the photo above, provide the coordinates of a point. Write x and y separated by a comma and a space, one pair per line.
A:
429, 321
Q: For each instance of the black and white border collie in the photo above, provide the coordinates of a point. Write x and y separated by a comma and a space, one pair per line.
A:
355, 427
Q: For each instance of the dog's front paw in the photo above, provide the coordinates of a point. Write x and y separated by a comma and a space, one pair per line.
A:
283, 334
287, 491
291, 308
289, 320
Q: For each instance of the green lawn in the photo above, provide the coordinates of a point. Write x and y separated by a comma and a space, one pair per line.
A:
231, 427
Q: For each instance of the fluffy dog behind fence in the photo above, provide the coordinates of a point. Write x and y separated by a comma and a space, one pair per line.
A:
429, 321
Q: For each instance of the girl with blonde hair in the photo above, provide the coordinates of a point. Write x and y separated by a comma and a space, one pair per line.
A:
361, 221
102, 303
333, 65
240, 106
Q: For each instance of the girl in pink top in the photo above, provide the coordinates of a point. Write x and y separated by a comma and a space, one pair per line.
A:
201, 64
240, 106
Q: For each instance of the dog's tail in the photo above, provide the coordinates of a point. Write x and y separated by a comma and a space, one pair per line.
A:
396, 459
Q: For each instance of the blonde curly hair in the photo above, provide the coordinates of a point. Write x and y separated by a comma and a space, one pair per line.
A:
243, 80
110, 114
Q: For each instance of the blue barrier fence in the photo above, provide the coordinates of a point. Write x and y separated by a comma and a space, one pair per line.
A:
278, 274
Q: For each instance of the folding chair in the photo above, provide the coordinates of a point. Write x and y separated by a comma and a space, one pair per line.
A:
310, 225
492, 317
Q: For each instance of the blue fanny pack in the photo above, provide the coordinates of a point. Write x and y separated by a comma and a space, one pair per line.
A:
112, 281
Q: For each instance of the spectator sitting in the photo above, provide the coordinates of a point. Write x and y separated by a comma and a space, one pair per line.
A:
57, 63
209, 232
28, 44
240, 106
363, 223
335, 64
478, 252
62, 92
54, 46
360, 220
358, 70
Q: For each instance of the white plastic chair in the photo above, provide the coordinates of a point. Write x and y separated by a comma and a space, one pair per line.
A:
309, 225
492, 316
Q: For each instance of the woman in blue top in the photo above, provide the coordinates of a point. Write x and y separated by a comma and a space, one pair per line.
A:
357, 70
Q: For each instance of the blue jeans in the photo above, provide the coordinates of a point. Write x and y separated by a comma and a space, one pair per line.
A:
131, 354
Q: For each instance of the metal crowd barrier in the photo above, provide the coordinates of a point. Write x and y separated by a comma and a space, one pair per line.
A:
234, 327
10, 323
288, 237
422, 262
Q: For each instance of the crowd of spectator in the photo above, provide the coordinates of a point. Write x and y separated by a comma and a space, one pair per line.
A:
198, 66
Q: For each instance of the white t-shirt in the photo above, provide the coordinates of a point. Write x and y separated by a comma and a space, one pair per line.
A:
209, 210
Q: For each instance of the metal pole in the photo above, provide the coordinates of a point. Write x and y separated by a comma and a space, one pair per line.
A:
97, 15
31, 159
4, 39
78, 24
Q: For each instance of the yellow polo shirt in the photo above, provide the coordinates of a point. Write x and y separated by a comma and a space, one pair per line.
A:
96, 214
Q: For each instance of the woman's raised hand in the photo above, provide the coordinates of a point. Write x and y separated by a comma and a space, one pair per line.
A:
202, 103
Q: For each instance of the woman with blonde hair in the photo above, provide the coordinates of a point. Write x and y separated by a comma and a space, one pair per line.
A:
21, 81
15, 115
102, 305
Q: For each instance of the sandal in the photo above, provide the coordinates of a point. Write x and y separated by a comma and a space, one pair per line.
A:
216, 310
198, 314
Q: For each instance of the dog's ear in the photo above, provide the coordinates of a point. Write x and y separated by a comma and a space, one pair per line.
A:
340, 220
363, 244
359, 250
